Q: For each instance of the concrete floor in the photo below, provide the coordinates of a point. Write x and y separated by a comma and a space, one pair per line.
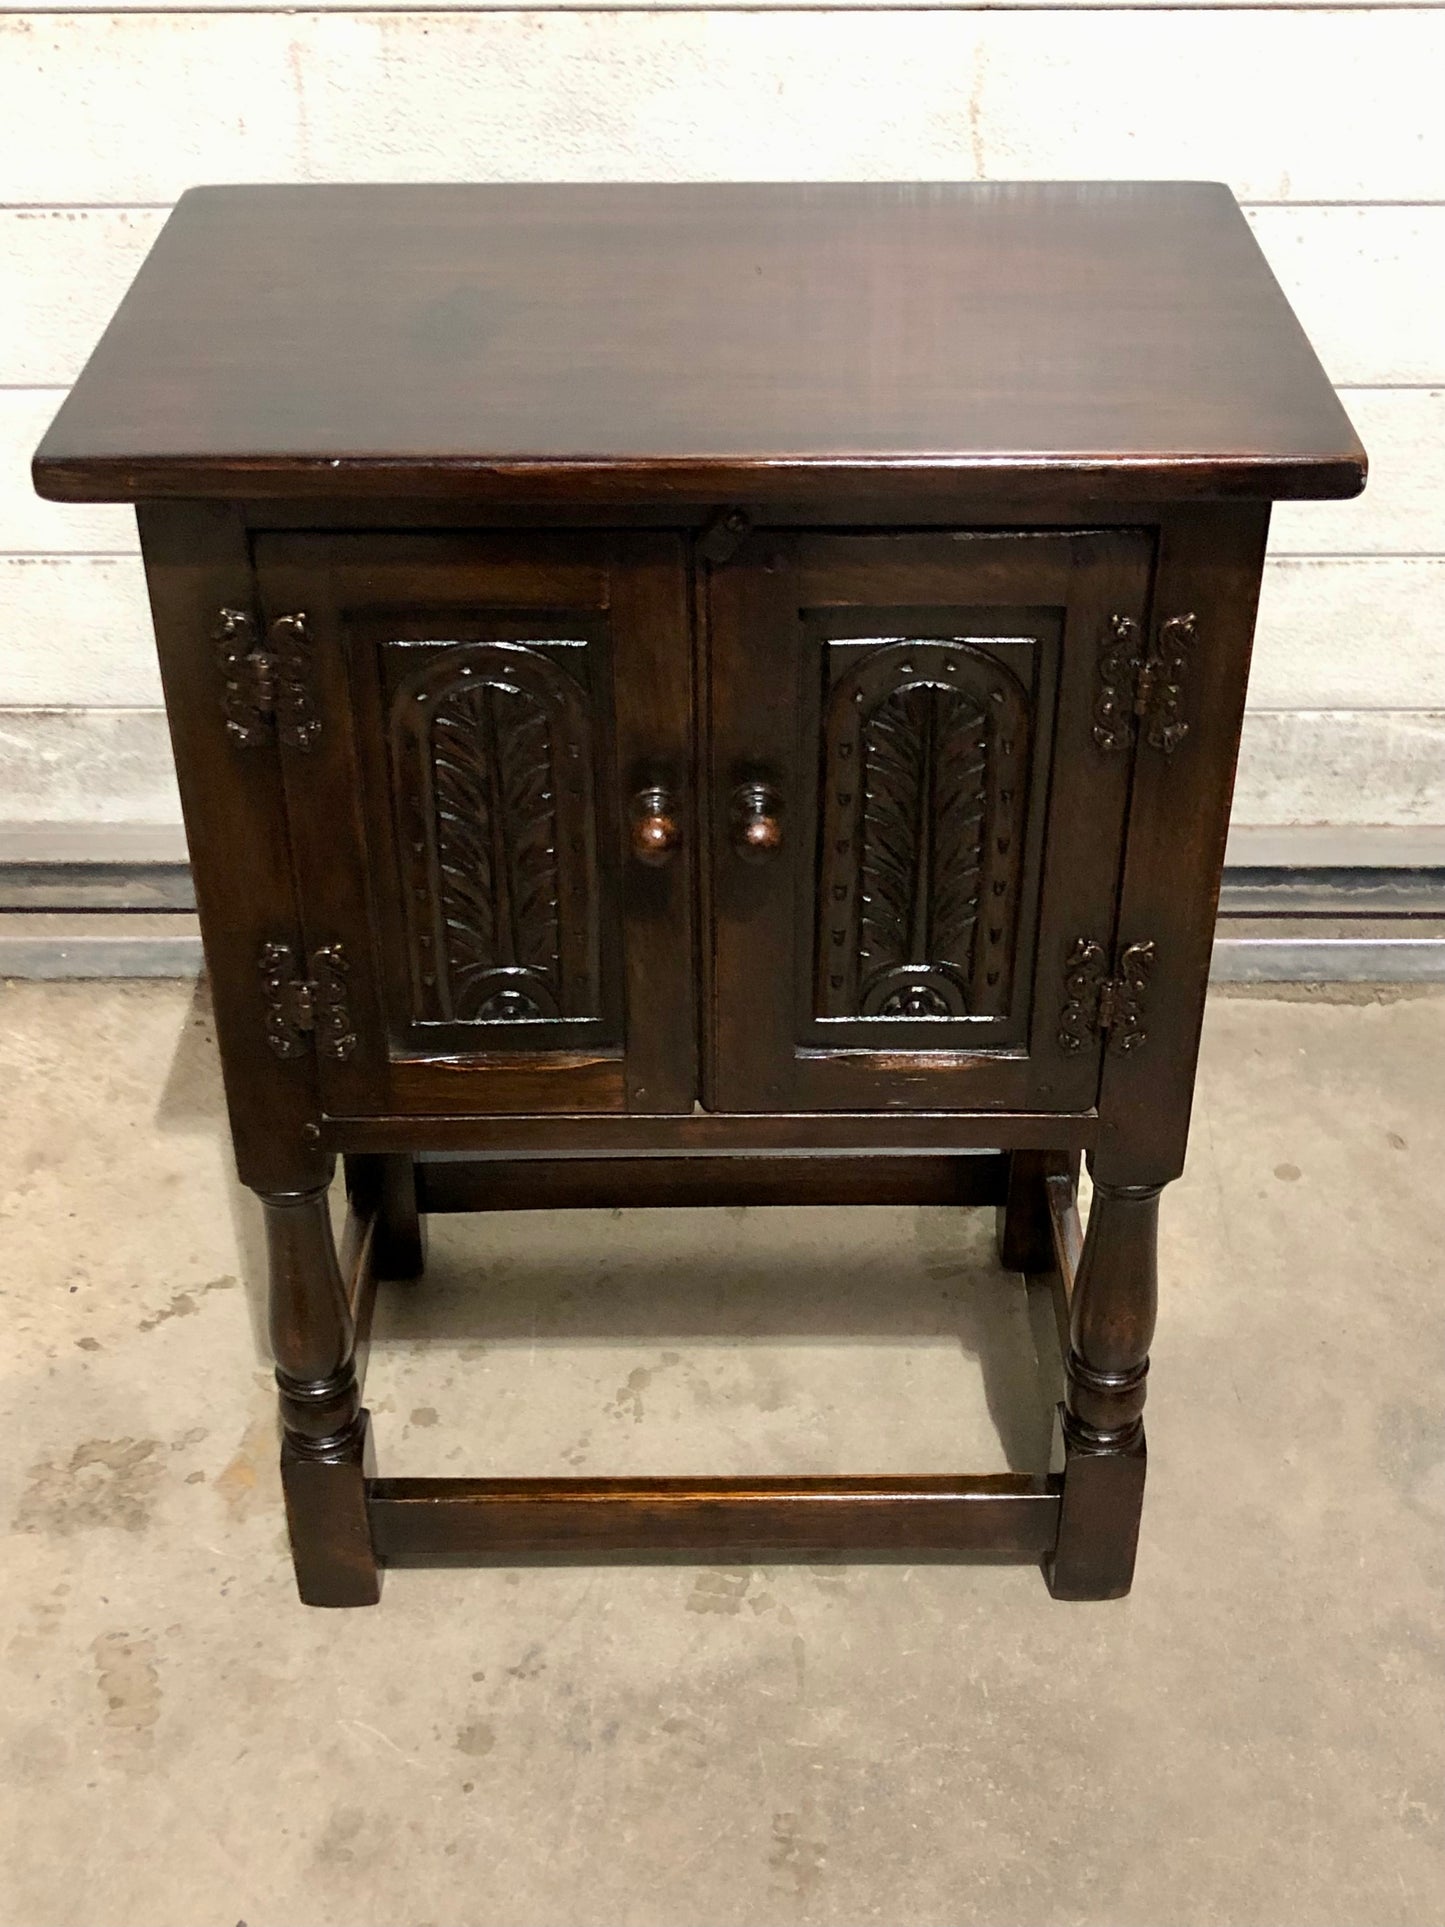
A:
1256, 1736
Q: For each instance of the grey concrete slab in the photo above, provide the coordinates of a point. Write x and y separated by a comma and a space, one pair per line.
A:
1256, 1736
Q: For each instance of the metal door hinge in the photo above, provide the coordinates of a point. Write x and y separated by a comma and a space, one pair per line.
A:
266, 686
314, 1006
1141, 685
1104, 1003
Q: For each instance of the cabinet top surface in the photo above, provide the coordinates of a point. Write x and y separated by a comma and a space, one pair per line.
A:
649, 342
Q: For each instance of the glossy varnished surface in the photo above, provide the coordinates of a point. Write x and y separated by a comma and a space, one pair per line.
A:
682, 343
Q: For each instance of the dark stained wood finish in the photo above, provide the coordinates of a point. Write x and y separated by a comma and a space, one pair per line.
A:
326, 1450
528, 1184
1098, 1532
1105, 1291
709, 1133
482, 706
196, 565
386, 1190
715, 343
1026, 809
430, 1522
570, 549
1026, 1217
1210, 562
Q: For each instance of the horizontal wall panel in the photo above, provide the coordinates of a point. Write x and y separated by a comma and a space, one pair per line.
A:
84, 766
81, 766
1351, 634
656, 6
62, 274
134, 107
1402, 511
1338, 767
76, 630
1354, 633
29, 525
1365, 282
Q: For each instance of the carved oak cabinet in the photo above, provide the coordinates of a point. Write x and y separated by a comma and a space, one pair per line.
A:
694, 694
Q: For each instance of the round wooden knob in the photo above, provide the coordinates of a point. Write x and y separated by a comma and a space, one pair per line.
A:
757, 822
656, 831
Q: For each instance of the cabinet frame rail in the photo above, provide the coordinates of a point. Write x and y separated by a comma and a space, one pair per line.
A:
993, 1517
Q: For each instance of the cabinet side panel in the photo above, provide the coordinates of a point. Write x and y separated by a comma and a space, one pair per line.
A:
197, 565
1210, 562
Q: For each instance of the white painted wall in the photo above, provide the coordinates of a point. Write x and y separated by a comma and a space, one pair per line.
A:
1327, 123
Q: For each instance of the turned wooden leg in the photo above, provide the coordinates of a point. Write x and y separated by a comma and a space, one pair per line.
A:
326, 1444
1023, 1221
1111, 1325
385, 1185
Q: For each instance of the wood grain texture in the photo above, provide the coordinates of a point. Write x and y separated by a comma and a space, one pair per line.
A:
63, 270
1041, 600
711, 1133
530, 1184
467, 1521
1347, 632
1363, 633
659, 6
132, 108
1362, 280
666, 343
1402, 512
77, 630
1342, 767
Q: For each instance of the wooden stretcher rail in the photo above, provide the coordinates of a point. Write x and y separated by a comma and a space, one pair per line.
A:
432, 1522
602, 1183
358, 1241
1061, 1191
735, 1133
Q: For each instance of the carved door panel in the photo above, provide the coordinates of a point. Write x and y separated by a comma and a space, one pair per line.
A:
481, 712
918, 815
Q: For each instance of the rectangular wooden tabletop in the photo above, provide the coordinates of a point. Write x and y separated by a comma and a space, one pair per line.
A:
687, 343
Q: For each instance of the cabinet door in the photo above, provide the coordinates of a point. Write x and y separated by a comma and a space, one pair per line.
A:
914, 824
487, 759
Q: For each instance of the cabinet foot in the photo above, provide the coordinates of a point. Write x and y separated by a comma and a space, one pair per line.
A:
326, 1516
1103, 1498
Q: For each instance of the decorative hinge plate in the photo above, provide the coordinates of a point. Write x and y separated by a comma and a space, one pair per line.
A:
1141, 685
312, 1006
1102, 1003
266, 686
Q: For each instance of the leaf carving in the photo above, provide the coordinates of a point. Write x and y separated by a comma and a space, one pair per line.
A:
895, 803
925, 754
499, 859
496, 836
925, 772
464, 806
959, 800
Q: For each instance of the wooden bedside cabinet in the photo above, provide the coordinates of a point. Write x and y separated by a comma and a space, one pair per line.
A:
705, 694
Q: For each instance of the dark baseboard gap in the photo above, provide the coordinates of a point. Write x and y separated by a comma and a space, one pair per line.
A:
1319, 925
96, 886
1372, 893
